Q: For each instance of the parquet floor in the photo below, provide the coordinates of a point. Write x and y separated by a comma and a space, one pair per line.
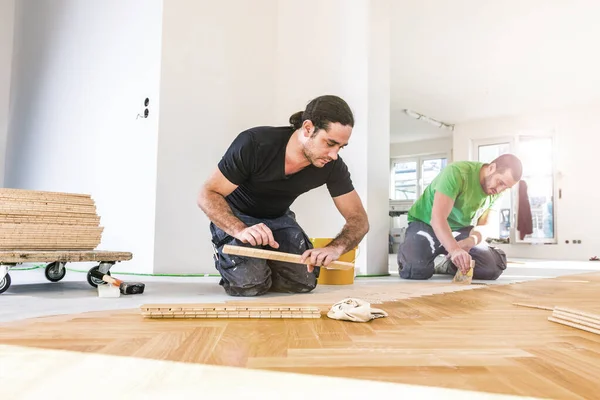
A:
470, 339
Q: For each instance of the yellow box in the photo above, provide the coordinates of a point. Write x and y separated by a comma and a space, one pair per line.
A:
335, 276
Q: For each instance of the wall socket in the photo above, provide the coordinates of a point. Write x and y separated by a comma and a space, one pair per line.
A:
576, 241
146, 111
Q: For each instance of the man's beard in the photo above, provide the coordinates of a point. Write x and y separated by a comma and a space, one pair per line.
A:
312, 158
487, 185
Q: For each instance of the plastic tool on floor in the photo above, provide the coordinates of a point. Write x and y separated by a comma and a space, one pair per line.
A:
124, 287
464, 278
278, 256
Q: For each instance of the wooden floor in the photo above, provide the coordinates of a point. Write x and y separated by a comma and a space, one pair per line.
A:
470, 339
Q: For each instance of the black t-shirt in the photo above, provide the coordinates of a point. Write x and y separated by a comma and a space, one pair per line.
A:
255, 161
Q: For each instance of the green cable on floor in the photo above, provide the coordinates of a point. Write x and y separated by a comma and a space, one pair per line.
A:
38, 266
27, 268
140, 274
190, 275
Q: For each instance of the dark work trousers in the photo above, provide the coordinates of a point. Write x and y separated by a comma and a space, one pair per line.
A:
248, 276
417, 253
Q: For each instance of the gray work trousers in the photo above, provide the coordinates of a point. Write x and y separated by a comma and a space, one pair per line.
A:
417, 253
248, 276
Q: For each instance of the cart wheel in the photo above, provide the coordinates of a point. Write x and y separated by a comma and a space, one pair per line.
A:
94, 282
53, 272
5, 283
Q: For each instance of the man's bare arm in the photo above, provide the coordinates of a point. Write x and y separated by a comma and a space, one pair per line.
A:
354, 230
442, 206
211, 200
357, 222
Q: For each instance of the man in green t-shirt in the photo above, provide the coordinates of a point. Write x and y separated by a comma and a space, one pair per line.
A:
449, 218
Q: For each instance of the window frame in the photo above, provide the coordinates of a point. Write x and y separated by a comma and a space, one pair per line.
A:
419, 159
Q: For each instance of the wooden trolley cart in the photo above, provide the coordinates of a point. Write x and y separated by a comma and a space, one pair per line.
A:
54, 228
55, 269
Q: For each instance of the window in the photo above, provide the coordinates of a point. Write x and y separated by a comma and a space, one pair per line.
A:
537, 155
404, 180
411, 175
430, 169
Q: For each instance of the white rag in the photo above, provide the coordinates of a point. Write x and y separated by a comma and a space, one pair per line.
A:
355, 310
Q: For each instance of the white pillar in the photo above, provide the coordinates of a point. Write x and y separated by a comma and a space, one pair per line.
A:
7, 18
378, 145
342, 48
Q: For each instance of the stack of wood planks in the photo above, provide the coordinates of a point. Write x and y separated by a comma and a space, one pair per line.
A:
576, 319
37, 220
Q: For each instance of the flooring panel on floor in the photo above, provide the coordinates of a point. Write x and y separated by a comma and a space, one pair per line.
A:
475, 339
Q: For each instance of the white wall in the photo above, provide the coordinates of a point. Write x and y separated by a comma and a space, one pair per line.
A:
577, 144
7, 14
315, 60
80, 75
422, 147
342, 48
217, 79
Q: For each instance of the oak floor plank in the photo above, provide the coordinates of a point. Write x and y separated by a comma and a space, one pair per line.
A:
473, 339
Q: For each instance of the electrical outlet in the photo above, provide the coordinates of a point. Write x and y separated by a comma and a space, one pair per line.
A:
146, 111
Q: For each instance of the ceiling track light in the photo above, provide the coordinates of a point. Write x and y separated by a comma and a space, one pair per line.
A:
431, 121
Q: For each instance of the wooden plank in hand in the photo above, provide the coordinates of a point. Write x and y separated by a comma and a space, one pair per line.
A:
278, 256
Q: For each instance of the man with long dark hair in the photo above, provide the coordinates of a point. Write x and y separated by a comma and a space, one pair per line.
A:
264, 170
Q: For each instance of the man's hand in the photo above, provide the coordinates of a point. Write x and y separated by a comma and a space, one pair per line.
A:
461, 259
257, 235
320, 257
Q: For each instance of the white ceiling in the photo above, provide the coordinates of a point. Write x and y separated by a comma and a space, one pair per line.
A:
469, 59
407, 129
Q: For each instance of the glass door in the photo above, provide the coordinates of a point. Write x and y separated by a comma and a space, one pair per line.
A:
537, 155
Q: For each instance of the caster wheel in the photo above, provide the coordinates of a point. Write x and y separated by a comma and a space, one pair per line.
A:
53, 272
5, 283
94, 282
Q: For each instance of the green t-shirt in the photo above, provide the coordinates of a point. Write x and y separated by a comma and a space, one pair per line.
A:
460, 182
